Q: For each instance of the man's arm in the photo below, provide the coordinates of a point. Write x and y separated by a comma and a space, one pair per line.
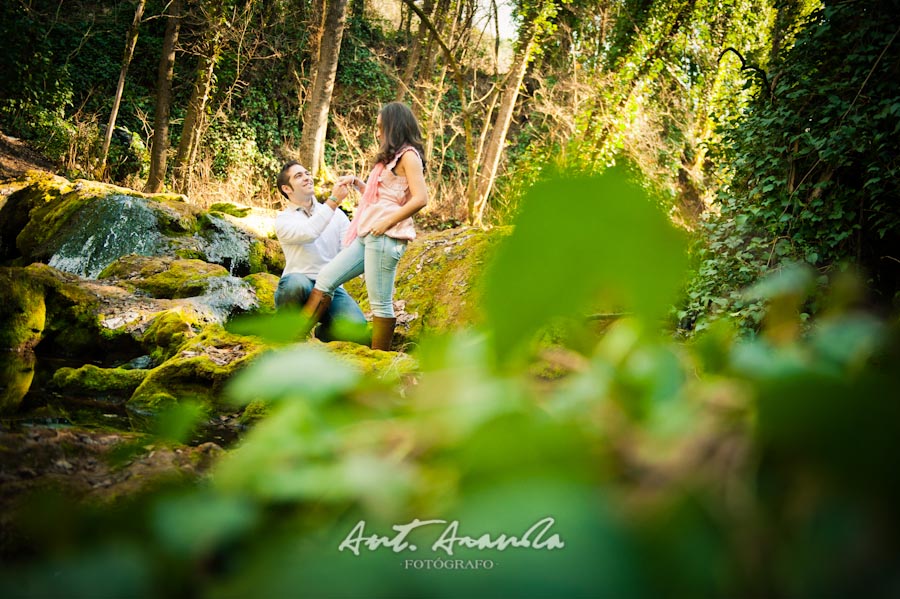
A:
292, 228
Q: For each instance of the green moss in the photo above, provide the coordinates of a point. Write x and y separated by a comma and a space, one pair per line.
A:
264, 285
189, 254
274, 257
197, 371
228, 208
256, 410
168, 331
164, 277
16, 372
438, 279
71, 325
257, 257
386, 366
92, 379
23, 311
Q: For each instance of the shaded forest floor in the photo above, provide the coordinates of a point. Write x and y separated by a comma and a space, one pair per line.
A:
17, 156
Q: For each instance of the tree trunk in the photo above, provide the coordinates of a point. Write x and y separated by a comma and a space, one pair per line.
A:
193, 118
315, 117
159, 146
497, 141
316, 28
126, 61
415, 53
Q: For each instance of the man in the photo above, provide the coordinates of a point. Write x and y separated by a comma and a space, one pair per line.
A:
310, 234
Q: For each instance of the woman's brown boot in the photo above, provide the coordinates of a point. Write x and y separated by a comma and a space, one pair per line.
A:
315, 308
382, 332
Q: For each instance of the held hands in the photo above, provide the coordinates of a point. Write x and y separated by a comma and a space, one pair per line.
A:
353, 180
342, 187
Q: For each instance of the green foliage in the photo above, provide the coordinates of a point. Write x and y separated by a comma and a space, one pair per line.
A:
618, 237
666, 467
358, 70
812, 168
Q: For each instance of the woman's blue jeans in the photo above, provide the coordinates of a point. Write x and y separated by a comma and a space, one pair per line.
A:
376, 256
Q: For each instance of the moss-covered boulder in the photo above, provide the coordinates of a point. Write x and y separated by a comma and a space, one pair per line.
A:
16, 374
385, 366
96, 381
81, 227
169, 330
72, 326
437, 285
264, 285
22, 312
164, 276
197, 371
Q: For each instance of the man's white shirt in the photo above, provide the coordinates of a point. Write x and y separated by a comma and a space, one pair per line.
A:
311, 241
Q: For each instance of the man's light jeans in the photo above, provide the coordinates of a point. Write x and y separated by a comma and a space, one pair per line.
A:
294, 289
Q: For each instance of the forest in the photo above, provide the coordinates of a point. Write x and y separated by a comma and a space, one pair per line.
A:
646, 339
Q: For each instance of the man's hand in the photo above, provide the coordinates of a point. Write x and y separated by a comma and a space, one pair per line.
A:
340, 191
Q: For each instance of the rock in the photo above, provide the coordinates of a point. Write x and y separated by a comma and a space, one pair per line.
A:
197, 370
23, 311
264, 285
16, 375
84, 226
163, 276
437, 281
93, 380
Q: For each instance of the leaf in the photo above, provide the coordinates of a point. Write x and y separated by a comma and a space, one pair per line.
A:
304, 371
620, 252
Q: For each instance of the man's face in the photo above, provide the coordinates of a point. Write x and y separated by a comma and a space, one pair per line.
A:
301, 183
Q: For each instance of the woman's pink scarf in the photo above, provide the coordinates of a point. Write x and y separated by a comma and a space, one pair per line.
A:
369, 197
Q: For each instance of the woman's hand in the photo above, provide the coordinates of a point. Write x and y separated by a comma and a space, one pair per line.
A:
381, 225
353, 180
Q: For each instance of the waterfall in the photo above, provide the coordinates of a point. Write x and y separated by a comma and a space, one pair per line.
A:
224, 297
227, 245
104, 230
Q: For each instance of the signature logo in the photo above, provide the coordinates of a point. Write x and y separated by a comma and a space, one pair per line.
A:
538, 536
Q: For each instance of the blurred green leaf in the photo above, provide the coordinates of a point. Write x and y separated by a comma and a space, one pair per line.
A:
619, 252
178, 421
304, 372
193, 523
281, 327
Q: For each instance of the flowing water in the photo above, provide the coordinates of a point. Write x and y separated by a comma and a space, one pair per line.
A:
105, 230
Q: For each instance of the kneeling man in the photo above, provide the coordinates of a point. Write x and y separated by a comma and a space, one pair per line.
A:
310, 234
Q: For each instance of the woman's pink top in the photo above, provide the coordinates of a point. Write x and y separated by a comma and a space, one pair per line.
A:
392, 193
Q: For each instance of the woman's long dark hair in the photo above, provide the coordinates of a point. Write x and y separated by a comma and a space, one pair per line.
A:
400, 129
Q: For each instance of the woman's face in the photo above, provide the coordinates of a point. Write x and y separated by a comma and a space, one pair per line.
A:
379, 130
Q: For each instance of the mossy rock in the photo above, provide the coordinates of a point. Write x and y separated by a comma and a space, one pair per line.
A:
16, 373
266, 255
23, 311
228, 208
71, 323
164, 277
438, 281
255, 411
93, 380
53, 203
168, 331
198, 371
382, 365
264, 285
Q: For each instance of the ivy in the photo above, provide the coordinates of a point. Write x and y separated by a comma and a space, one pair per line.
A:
812, 171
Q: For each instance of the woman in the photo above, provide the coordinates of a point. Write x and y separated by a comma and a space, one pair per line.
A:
382, 225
